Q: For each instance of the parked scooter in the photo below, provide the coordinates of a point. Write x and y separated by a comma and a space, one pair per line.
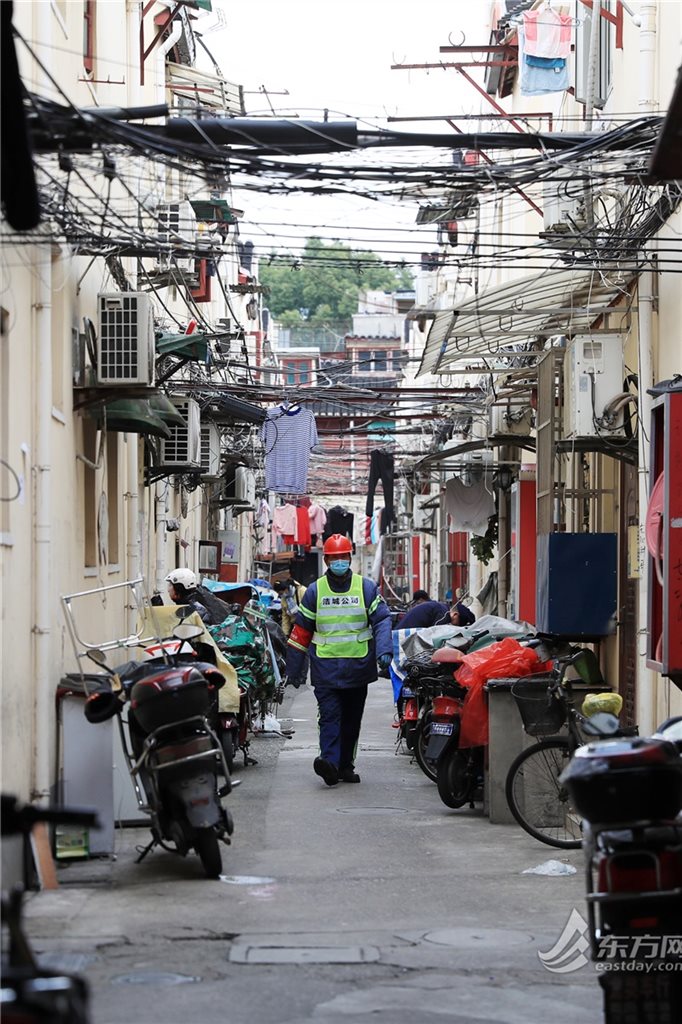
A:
171, 747
166, 707
629, 791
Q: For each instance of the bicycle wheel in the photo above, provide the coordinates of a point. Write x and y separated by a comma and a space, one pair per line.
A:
536, 798
430, 768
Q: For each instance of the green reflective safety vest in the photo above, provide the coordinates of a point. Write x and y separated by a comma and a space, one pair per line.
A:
342, 627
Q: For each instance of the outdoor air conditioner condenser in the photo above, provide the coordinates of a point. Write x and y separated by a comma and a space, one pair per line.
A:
593, 387
182, 450
210, 451
125, 351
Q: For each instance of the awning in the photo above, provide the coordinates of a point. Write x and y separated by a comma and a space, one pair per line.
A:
130, 416
228, 409
213, 210
500, 319
188, 346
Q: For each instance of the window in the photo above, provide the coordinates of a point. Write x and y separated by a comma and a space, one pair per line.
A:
291, 373
89, 497
89, 27
7, 479
380, 361
113, 497
604, 70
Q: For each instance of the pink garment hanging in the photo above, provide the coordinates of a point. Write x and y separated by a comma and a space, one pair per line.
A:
547, 33
284, 520
318, 518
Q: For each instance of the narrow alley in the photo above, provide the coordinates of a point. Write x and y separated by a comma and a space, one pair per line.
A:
356, 903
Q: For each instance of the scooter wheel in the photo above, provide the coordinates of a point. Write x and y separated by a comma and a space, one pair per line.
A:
454, 784
207, 846
227, 743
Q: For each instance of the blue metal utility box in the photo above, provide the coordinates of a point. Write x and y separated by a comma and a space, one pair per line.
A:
577, 584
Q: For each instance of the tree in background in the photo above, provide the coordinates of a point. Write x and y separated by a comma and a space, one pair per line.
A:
323, 284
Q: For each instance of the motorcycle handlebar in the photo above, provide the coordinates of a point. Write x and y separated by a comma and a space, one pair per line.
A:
17, 818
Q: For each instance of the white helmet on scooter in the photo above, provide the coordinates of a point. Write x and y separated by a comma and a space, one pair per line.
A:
183, 577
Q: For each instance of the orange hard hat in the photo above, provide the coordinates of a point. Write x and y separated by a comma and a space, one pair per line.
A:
337, 545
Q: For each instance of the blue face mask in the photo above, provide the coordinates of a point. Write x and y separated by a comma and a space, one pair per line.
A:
339, 568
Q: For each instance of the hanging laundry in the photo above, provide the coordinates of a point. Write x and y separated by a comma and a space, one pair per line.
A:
285, 521
339, 520
318, 518
469, 508
302, 536
381, 467
263, 513
541, 75
288, 435
547, 33
375, 530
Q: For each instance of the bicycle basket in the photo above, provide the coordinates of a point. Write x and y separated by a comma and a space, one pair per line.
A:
542, 714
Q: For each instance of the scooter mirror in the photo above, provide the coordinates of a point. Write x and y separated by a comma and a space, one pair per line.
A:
99, 657
185, 631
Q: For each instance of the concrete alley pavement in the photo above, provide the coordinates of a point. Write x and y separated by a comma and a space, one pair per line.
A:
370, 902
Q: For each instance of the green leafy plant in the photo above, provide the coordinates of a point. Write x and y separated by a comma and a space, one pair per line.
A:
484, 547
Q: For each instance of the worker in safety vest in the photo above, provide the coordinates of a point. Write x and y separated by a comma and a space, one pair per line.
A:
345, 625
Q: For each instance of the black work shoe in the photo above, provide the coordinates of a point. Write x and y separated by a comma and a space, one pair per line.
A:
326, 770
348, 775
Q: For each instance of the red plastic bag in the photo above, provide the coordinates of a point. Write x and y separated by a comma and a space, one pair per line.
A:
505, 659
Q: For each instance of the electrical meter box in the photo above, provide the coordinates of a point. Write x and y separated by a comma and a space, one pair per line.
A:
577, 577
593, 378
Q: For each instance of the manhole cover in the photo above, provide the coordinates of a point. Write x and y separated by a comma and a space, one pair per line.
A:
153, 978
477, 938
70, 963
247, 879
373, 810
303, 954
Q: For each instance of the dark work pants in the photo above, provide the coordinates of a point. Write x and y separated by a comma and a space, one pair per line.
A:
340, 717
381, 467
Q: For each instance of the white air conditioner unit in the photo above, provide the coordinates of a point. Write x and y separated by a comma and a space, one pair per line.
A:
476, 465
593, 379
245, 485
510, 420
125, 351
563, 207
210, 451
182, 450
177, 226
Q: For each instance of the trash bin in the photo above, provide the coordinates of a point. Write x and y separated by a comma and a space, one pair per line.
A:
87, 770
506, 736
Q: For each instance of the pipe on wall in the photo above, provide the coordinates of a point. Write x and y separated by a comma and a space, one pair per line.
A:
43, 605
647, 681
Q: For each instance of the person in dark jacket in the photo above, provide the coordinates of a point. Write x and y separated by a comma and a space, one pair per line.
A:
457, 615
344, 625
423, 613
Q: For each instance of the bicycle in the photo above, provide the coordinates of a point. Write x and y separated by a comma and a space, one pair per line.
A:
31, 994
539, 802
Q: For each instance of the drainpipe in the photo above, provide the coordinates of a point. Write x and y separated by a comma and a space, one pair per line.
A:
160, 519
43, 605
647, 681
132, 441
167, 45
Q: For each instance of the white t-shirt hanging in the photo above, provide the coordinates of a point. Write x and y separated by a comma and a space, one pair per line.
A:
288, 436
469, 508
